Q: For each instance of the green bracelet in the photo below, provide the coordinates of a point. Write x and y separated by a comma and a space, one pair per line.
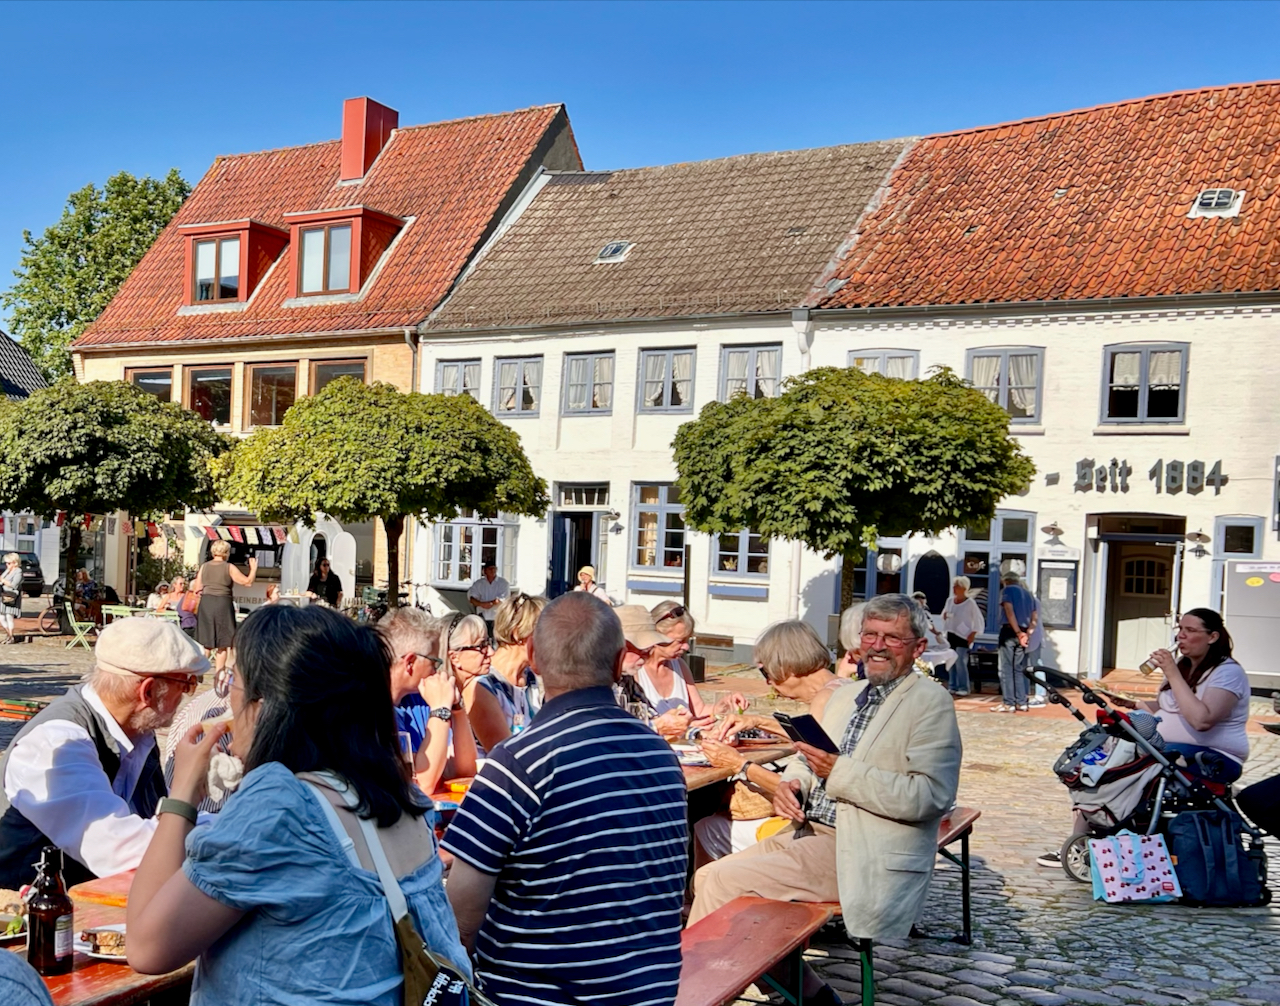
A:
169, 805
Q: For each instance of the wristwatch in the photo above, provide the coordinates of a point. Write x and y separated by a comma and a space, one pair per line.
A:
741, 774
442, 713
171, 805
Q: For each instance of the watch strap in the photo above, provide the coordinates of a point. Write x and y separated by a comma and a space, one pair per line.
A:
442, 713
170, 805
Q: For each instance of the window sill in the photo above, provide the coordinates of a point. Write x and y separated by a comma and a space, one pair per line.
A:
656, 586
740, 591
664, 412
589, 414
321, 299
232, 307
515, 415
1030, 430
1142, 430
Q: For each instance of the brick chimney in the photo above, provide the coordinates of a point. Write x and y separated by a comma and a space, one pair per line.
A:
366, 128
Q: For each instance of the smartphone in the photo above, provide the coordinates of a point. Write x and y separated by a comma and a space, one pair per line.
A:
805, 728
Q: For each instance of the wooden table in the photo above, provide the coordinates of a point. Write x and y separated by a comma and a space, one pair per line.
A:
695, 777
104, 983
112, 890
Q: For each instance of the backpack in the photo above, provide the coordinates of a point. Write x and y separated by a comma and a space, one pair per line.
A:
1213, 865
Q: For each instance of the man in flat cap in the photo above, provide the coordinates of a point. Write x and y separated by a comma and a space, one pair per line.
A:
84, 774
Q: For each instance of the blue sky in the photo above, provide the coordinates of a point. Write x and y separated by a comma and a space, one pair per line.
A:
91, 89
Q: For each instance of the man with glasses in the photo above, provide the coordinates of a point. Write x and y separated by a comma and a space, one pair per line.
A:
865, 821
84, 774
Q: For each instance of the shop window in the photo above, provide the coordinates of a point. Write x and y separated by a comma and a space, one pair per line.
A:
458, 377
322, 372
750, 370
463, 547
666, 380
1144, 383
901, 363
153, 382
217, 270
209, 393
744, 553
588, 384
519, 387
273, 388
1011, 378
326, 260
658, 522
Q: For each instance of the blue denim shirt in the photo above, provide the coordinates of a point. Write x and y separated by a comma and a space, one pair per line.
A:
317, 928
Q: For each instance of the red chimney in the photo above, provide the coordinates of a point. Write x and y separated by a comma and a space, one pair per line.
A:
366, 127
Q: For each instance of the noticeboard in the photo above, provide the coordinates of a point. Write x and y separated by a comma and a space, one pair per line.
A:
1056, 591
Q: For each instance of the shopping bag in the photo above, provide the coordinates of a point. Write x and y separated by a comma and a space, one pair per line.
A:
1128, 867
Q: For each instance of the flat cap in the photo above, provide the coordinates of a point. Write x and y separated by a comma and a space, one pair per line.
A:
148, 646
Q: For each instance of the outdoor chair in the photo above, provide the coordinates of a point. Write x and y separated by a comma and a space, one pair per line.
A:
81, 629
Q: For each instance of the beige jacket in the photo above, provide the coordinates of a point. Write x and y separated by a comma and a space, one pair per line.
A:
892, 792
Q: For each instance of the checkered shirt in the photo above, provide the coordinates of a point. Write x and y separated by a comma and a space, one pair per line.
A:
820, 807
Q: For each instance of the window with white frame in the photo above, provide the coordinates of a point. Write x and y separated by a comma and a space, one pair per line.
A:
1234, 537
1010, 377
750, 370
666, 380
903, 363
518, 385
466, 545
588, 383
458, 377
658, 538
1144, 383
742, 553
989, 548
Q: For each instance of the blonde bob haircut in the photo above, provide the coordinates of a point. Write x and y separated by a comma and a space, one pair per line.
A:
515, 618
662, 613
790, 649
851, 626
220, 548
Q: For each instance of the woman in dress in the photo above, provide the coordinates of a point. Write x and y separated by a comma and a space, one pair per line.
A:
324, 585
510, 677
216, 618
12, 580
273, 904
181, 600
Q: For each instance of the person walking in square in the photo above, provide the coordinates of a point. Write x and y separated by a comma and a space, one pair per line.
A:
1017, 619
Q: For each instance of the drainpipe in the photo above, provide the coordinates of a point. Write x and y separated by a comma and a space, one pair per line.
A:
802, 323
411, 339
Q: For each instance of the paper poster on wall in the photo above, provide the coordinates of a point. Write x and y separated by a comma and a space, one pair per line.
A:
1057, 589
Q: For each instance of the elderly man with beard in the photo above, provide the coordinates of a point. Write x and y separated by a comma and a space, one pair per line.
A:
865, 821
84, 774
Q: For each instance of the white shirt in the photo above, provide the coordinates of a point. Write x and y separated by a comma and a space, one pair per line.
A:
81, 811
962, 618
483, 590
596, 591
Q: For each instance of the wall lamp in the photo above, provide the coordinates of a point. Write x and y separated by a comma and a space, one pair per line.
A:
1199, 538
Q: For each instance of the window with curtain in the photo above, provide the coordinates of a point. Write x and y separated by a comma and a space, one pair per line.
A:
750, 370
666, 380
588, 386
1144, 383
1009, 377
658, 535
466, 545
901, 363
458, 377
744, 553
519, 388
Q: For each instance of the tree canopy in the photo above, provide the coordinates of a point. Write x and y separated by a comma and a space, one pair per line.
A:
101, 447
842, 457
70, 273
358, 451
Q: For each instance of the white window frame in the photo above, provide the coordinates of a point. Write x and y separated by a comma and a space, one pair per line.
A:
459, 386
753, 352
450, 537
1002, 379
997, 549
737, 544
1146, 349
668, 379
1221, 556
521, 362
882, 356
663, 508
593, 360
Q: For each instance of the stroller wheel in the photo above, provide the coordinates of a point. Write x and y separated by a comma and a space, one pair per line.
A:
1075, 858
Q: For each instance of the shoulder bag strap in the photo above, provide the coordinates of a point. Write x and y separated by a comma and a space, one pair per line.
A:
344, 840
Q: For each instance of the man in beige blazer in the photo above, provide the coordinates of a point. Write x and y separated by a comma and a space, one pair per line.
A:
866, 820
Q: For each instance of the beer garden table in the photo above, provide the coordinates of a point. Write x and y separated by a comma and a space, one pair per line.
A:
698, 776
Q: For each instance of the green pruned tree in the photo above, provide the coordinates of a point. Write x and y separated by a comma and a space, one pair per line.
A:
102, 447
358, 451
70, 273
842, 457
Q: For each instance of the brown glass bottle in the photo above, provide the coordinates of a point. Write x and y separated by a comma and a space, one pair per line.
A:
50, 918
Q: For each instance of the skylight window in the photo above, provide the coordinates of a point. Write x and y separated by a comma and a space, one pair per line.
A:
614, 251
1217, 203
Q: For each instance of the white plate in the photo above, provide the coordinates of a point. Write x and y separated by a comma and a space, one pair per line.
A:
84, 947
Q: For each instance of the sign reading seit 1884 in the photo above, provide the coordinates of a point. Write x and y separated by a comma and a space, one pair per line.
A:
1166, 476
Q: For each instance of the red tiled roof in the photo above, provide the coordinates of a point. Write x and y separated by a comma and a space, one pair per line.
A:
980, 216
451, 177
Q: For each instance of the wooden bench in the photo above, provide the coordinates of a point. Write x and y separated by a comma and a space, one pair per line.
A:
736, 944
955, 827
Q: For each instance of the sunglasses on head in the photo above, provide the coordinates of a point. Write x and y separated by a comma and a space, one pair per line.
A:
677, 612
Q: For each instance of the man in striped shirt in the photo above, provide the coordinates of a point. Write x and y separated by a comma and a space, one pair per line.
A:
570, 848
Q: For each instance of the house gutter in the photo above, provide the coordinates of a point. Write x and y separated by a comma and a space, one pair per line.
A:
802, 324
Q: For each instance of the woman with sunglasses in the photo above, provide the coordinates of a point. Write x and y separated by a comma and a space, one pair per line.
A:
278, 900
469, 655
511, 678
324, 585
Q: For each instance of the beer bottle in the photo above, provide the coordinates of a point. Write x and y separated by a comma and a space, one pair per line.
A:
50, 921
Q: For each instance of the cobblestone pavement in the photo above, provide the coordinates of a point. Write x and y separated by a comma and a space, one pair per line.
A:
1039, 938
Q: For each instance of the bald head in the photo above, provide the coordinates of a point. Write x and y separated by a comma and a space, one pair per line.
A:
577, 643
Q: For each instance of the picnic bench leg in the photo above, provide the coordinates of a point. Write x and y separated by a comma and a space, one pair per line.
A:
795, 974
868, 973
964, 886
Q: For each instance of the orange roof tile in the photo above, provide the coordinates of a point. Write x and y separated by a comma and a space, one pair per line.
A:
1131, 172
451, 177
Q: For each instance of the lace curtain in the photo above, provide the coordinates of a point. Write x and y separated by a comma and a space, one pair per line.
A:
1023, 380
767, 373
986, 376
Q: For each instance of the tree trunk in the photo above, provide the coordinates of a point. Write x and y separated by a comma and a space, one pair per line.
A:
393, 526
73, 554
849, 563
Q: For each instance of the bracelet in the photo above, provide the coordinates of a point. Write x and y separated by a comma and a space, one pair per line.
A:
170, 805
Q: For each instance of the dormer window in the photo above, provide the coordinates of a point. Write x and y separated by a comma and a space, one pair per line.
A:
1217, 203
217, 270
326, 259
226, 260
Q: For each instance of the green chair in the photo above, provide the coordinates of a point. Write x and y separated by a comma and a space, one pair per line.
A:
81, 629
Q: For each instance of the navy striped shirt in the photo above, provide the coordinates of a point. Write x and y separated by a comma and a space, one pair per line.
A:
581, 817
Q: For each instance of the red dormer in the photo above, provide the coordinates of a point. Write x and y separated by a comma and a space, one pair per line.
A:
335, 251
225, 261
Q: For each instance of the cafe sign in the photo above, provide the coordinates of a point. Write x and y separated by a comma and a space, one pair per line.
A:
1169, 477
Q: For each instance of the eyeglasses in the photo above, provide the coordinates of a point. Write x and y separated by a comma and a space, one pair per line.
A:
436, 662
763, 673
222, 683
188, 684
677, 612
464, 649
893, 642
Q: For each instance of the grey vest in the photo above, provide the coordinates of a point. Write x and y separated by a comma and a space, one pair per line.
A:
20, 840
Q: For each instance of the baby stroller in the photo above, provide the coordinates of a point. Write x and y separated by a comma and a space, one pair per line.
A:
1119, 776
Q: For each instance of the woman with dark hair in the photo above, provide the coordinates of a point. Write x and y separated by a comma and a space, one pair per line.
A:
324, 585
277, 905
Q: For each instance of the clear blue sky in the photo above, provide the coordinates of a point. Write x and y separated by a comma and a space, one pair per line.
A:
91, 89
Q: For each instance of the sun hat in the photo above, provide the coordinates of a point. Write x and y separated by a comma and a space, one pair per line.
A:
148, 647
638, 627
589, 570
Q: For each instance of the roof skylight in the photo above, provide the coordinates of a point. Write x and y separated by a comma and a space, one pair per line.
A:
614, 251
1217, 203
